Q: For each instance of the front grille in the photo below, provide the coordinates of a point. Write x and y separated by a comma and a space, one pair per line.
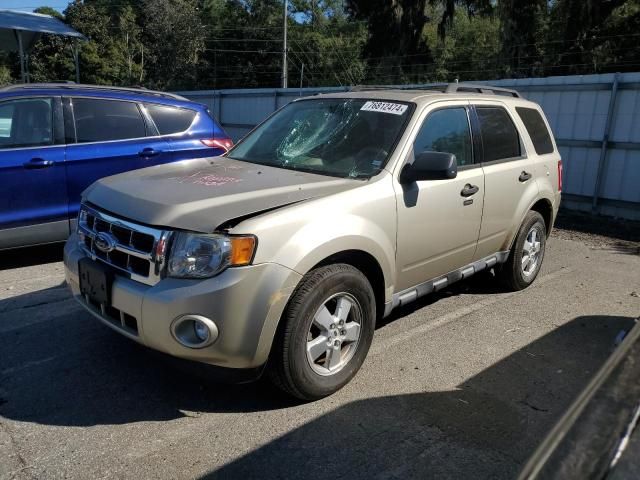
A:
135, 249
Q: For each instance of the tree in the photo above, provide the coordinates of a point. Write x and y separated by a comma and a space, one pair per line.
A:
186, 44
51, 57
522, 26
470, 49
395, 30
590, 35
243, 43
5, 74
451, 7
175, 37
328, 44
112, 55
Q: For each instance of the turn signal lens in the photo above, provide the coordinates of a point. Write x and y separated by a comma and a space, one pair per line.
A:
242, 249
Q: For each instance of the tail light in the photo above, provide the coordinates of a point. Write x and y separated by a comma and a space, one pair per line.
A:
223, 143
559, 175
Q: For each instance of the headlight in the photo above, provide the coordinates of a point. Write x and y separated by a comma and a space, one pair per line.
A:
203, 256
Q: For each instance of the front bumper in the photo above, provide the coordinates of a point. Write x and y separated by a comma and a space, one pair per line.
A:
246, 304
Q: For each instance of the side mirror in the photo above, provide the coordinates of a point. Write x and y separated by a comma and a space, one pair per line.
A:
430, 166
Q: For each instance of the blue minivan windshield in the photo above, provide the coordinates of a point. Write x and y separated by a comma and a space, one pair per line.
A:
339, 137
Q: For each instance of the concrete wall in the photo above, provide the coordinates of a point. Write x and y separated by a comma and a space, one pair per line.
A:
595, 120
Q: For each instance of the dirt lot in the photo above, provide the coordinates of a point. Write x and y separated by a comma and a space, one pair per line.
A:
463, 384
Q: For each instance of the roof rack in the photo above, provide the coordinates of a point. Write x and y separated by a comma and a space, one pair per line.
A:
80, 86
473, 88
444, 88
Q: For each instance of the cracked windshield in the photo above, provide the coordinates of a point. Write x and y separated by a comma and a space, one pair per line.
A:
338, 137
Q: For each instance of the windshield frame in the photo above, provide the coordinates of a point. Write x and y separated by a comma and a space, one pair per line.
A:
403, 127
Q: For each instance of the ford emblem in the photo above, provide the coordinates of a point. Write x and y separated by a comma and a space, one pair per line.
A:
105, 242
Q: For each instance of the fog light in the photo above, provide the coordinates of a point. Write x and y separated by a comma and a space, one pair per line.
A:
194, 331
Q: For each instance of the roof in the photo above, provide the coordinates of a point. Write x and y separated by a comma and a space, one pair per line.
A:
415, 96
445, 88
32, 25
105, 91
421, 94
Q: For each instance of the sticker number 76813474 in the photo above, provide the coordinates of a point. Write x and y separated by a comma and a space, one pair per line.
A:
385, 107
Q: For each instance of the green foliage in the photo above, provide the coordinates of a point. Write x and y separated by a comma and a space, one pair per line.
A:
395, 33
175, 36
470, 49
522, 23
5, 76
113, 54
328, 45
189, 44
593, 36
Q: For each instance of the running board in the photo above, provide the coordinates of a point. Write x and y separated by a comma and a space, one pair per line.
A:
410, 294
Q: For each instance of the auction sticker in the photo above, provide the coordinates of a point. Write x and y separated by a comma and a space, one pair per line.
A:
385, 107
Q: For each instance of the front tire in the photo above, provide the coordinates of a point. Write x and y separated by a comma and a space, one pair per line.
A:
526, 255
325, 334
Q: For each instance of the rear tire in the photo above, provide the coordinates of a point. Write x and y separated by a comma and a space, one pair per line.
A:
526, 255
325, 333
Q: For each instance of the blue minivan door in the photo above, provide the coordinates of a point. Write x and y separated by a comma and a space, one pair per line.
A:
33, 191
107, 137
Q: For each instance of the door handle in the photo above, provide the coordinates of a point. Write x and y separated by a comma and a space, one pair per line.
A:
35, 163
524, 176
149, 152
469, 190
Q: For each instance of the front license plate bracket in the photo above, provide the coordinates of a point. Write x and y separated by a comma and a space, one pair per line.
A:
95, 281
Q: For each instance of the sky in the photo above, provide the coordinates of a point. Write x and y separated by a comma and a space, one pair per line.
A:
29, 5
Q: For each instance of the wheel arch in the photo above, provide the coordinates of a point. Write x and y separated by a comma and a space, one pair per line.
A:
361, 259
365, 263
544, 207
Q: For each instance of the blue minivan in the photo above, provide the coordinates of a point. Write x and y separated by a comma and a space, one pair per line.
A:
57, 139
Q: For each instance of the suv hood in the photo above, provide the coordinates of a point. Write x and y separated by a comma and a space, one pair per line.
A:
202, 194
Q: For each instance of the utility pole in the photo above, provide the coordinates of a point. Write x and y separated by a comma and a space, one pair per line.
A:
284, 48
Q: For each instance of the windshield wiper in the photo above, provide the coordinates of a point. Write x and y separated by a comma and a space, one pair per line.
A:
328, 173
311, 170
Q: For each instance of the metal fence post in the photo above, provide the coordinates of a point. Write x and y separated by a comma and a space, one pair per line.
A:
602, 163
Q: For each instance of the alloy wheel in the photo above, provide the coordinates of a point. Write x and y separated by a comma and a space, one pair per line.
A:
334, 334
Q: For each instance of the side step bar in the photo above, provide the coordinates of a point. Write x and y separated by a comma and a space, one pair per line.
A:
413, 293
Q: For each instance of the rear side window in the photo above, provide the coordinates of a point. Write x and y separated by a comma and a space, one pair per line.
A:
500, 138
171, 119
104, 120
26, 123
537, 129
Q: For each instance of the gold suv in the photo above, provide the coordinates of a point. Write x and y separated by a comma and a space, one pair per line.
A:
283, 253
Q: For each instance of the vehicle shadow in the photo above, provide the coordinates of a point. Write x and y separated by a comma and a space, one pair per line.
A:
482, 283
486, 428
30, 256
58, 366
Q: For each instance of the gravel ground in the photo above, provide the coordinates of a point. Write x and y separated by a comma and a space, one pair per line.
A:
462, 384
599, 232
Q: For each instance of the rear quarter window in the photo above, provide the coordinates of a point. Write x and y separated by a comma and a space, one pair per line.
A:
537, 129
500, 139
170, 120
